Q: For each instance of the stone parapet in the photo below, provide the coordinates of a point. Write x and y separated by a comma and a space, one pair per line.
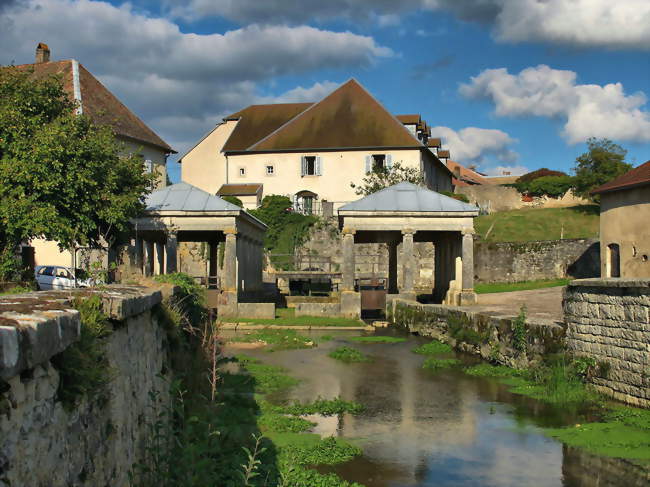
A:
36, 326
609, 321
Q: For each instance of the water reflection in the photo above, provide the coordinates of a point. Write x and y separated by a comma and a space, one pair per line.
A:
443, 429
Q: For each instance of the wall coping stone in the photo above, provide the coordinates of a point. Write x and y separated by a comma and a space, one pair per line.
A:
38, 325
612, 282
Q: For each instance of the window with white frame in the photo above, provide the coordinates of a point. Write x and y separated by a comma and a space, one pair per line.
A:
310, 166
270, 170
242, 172
378, 162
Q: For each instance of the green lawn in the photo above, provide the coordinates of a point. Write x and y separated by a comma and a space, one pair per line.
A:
286, 317
539, 224
506, 287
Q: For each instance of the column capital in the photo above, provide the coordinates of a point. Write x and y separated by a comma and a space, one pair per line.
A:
348, 231
467, 231
408, 231
171, 232
230, 231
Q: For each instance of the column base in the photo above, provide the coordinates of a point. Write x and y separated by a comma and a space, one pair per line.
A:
468, 297
350, 304
408, 296
228, 305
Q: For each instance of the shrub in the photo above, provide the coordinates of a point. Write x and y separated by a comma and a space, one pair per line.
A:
233, 199
456, 196
539, 173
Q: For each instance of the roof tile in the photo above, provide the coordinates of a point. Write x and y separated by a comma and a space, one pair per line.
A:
638, 176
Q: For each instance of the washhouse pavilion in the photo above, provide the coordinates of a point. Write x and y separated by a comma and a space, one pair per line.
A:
406, 213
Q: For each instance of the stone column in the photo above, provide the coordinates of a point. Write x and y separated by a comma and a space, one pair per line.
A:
147, 248
348, 260
139, 255
229, 281
408, 262
213, 264
171, 251
468, 296
159, 259
392, 268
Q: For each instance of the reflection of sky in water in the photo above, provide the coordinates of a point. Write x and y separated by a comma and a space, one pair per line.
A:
422, 429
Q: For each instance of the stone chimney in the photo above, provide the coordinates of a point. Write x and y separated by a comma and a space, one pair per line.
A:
42, 53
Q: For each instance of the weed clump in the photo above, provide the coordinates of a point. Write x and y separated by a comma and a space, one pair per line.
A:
326, 407
348, 355
436, 364
279, 339
432, 348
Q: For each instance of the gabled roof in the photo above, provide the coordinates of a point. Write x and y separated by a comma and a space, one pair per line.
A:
347, 118
406, 197
464, 176
185, 197
97, 101
258, 121
239, 189
639, 176
409, 119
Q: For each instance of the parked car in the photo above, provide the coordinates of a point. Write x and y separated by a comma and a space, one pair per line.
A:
58, 277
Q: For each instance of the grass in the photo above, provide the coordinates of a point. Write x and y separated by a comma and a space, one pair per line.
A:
278, 339
539, 224
17, 290
286, 317
432, 348
506, 287
348, 355
326, 407
436, 364
378, 339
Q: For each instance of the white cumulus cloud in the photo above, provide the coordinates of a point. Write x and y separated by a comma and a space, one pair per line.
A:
477, 145
586, 110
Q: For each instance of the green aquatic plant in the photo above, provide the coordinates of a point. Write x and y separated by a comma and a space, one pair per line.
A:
378, 339
326, 407
432, 348
436, 364
348, 355
278, 339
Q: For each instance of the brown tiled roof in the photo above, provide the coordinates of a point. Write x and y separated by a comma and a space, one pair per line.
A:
639, 176
409, 119
258, 121
464, 176
239, 189
99, 103
434, 142
347, 118
443, 154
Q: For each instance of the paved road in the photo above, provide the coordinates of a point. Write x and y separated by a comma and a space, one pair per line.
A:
540, 303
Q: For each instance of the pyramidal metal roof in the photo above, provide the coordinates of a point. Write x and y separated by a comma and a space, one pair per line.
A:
408, 198
185, 197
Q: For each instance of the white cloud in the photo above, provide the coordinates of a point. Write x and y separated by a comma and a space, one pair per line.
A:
583, 23
165, 75
587, 110
476, 145
299, 94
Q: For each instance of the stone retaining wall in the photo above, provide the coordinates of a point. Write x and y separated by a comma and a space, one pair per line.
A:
489, 336
609, 320
529, 261
41, 443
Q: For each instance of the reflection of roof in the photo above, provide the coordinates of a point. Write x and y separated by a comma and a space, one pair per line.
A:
347, 118
258, 121
239, 189
97, 101
407, 197
464, 176
639, 176
185, 197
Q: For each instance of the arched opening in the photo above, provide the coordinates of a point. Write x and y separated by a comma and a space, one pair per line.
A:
613, 260
305, 202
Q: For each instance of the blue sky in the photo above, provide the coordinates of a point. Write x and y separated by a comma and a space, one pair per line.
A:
508, 85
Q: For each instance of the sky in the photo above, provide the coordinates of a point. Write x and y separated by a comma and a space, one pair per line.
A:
509, 85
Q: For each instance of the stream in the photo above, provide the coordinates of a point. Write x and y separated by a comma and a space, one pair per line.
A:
446, 428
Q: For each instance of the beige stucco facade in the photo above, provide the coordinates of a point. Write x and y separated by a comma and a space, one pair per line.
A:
625, 221
207, 167
157, 156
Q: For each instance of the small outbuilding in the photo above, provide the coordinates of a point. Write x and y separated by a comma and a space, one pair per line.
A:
404, 214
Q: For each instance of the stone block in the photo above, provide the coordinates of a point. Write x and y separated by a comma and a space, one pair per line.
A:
331, 310
350, 304
256, 310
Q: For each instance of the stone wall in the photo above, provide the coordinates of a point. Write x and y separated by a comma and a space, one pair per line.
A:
494, 198
492, 337
529, 261
96, 443
609, 320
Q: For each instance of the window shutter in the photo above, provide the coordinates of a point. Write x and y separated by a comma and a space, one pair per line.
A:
303, 165
389, 161
368, 164
319, 166
295, 201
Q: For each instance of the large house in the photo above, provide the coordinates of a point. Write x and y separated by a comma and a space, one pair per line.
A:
625, 224
312, 152
97, 102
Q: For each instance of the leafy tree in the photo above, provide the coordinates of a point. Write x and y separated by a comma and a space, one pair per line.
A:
603, 162
61, 177
456, 196
381, 178
539, 173
233, 199
553, 186
286, 229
